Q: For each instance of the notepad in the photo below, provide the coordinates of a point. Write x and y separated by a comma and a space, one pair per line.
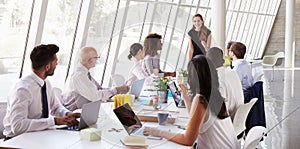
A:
134, 141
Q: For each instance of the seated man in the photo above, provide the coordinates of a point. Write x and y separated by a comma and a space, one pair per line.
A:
240, 65
82, 88
229, 82
32, 96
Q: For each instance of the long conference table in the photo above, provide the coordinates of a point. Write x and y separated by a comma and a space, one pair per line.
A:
107, 121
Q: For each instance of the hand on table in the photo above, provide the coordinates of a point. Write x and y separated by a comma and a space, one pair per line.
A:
122, 89
69, 119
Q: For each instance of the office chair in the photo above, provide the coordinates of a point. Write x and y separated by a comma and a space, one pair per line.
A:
117, 80
253, 137
239, 120
273, 61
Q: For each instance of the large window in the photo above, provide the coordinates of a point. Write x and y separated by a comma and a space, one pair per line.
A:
14, 19
59, 28
112, 26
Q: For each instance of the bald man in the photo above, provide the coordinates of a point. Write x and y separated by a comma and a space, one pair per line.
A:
82, 88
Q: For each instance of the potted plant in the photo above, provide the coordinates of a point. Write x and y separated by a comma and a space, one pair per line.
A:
162, 88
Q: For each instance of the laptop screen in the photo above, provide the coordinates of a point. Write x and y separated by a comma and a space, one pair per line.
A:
128, 118
136, 87
175, 92
89, 114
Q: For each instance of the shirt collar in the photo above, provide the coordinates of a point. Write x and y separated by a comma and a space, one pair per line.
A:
236, 62
37, 79
82, 68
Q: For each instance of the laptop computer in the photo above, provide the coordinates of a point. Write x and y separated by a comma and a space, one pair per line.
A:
176, 95
136, 87
89, 116
131, 122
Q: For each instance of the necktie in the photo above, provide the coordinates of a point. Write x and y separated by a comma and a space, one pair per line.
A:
89, 76
45, 112
94, 81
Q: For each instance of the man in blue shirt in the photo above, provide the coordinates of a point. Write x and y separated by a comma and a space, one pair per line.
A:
237, 52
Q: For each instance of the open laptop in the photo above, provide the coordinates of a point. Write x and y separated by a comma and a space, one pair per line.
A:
176, 95
89, 116
136, 87
130, 121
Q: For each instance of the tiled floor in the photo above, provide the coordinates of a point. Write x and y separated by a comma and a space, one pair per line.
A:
282, 107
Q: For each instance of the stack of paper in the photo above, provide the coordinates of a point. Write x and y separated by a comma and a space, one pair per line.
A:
134, 141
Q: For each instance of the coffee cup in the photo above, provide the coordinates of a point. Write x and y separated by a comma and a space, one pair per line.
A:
162, 118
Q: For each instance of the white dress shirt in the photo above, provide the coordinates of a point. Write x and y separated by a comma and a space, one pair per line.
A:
244, 71
24, 107
79, 89
231, 89
136, 72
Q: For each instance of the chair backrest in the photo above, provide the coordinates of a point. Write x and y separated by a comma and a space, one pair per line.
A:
117, 80
280, 57
269, 60
253, 137
258, 75
239, 121
273, 60
3, 106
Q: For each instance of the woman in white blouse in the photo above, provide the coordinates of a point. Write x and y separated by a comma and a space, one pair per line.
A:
137, 54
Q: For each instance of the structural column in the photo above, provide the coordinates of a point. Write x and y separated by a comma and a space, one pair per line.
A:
218, 23
289, 34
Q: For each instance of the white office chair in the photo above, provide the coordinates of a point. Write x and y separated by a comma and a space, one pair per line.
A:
253, 137
258, 75
239, 120
117, 80
273, 61
3, 106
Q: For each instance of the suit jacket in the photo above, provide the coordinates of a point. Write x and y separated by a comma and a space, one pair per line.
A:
256, 116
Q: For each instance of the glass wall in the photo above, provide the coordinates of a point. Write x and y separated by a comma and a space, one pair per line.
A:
112, 26
14, 21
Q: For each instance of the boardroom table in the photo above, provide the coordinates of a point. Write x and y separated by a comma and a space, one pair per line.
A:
107, 122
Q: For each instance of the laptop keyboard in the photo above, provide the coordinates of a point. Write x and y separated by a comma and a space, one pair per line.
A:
139, 132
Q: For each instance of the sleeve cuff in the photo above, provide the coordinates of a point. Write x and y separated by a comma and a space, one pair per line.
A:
114, 91
51, 121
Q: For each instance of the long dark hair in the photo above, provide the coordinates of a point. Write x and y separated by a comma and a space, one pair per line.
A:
150, 44
203, 80
134, 49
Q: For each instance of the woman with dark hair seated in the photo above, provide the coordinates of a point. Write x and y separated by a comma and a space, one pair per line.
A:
209, 124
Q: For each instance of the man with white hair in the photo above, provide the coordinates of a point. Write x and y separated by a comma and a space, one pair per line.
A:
229, 82
82, 88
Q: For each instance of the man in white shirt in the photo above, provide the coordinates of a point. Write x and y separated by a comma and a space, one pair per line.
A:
32, 98
240, 65
229, 82
82, 88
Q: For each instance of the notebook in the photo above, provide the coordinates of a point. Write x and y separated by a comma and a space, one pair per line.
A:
136, 87
176, 95
130, 121
89, 116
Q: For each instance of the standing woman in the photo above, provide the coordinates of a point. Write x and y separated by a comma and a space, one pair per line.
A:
152, 44
200, 37
136, 73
